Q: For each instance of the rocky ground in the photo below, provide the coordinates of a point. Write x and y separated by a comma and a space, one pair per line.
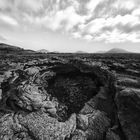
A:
70, 98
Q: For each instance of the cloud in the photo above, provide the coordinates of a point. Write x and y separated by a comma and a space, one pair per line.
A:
93, 20
92, 4
113, 29
127, 4
88, 37
65, 19
136, 12
76, 35
96, 25
52, 14
8, 20
116, 37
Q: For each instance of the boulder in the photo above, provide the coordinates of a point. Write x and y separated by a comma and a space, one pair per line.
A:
32, 70
35, 125
82, 122
128, 103
29, 97
98, 125
43, 127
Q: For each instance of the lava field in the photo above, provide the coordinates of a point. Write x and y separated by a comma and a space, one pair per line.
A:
70, 97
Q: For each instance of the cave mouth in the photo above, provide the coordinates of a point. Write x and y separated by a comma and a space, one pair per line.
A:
73, 90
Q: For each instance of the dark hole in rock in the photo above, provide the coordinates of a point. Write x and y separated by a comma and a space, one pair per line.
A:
73, 90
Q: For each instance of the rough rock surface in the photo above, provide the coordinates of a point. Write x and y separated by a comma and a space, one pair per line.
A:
58, 99
128, 103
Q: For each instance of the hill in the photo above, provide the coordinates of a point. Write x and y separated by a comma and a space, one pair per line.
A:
43, 51
6, 47
10, 49
117, 50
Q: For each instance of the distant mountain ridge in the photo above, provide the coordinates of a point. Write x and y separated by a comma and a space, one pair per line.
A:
11, 49
117, 50
114, 50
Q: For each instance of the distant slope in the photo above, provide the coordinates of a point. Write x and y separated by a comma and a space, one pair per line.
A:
43, 51
117, 50
9, 49
80, 52
5, 47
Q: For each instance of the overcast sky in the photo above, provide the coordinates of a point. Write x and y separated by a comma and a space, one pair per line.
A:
71, 25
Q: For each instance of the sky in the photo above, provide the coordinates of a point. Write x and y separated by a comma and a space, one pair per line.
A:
71, 25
